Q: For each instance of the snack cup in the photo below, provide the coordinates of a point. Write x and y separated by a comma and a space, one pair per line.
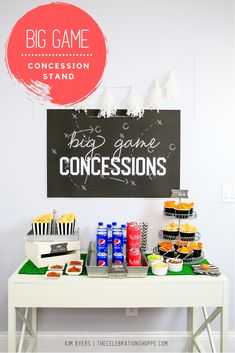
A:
56, 267
76, 263
172, 233
54, 274
66, 228
168, 253
153, 258
74, 272
197, 252
41, 228
169, 210
183, 255
175, 265
187, 234
182, 213
160, 269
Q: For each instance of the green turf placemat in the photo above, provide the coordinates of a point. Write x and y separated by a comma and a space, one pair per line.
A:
30, 269
187, 270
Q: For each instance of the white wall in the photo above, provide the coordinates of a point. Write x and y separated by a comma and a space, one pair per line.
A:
145, 39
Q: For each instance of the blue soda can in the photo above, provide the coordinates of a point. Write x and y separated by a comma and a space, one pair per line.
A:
101, 242
117, 242
102, 259
118, 258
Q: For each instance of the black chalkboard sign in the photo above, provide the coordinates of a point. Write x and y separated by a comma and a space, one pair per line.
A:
116, 157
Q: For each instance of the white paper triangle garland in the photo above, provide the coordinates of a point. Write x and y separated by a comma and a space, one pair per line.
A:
107, 105
82, 106
154, 99
171, 87
133, 104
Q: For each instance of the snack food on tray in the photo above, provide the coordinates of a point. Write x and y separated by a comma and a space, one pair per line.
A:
184, 252
196, 247
154, 258
178, 244
184, 209
175, 265
66, 224
42, 224
56, 267
171, 229
74, 270
169, 207
187, 230
181, 209
75, 263
53, 274
169, 251
67, 218
165, 244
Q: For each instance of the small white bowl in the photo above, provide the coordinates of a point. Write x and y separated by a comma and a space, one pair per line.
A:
74, 273
160, 269
159, 258
175, 267
58, 273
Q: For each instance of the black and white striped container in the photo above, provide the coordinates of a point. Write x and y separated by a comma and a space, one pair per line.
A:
42, 228
65, 228
144, 236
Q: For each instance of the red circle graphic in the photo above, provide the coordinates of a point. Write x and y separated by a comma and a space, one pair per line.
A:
58, 52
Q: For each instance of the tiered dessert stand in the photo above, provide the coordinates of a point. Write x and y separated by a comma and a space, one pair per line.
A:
172, 238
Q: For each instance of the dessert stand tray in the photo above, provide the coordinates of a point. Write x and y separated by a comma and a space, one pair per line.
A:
52, 237
196, 237
180, 216
187, 260
106, 271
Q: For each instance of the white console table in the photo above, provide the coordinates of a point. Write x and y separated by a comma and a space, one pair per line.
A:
26, 293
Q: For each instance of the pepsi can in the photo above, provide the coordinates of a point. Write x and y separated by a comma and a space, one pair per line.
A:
117, 242
102, 259
101, 242
118, 258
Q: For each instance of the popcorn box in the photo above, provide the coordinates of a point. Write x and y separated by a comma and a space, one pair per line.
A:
42, 228
42, 224
65, 228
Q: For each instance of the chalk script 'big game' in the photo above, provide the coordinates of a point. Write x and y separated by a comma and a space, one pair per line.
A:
115, 157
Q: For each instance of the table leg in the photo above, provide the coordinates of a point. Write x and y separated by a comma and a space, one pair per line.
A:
34, 327
224, 318
11, 321
192, 312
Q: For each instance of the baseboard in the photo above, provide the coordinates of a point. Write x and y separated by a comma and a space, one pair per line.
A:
118, 342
